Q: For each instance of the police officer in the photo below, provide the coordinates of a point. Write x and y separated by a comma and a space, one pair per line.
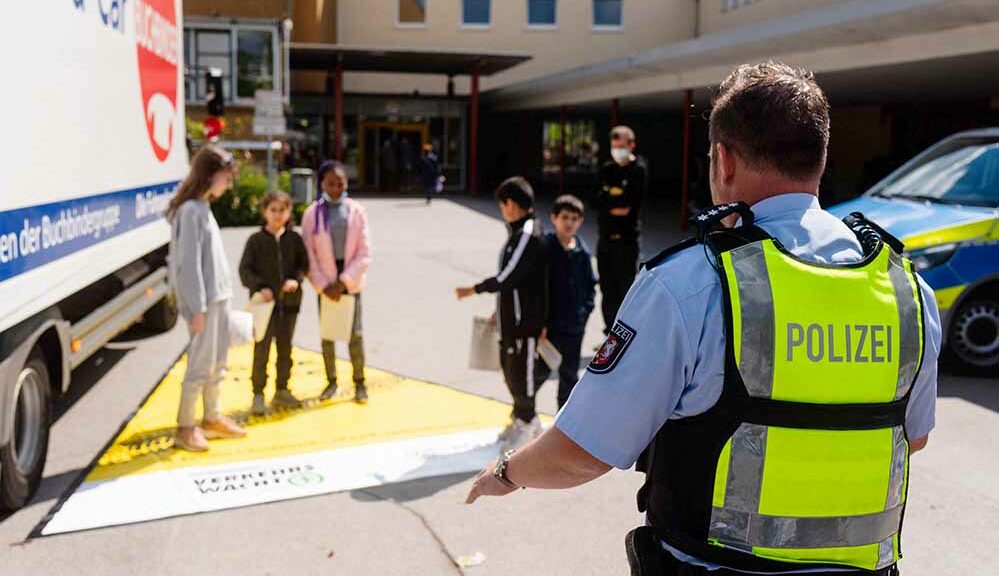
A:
618, 199
774, 378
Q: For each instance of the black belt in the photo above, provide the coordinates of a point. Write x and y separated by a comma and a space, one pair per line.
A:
647, 557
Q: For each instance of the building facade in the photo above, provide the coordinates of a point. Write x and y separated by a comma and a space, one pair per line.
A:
899, 74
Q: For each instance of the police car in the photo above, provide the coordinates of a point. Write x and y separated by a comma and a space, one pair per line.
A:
944, 205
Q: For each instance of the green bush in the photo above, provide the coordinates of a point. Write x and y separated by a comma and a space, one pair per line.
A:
240, 206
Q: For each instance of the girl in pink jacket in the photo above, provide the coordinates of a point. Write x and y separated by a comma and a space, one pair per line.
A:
335, 231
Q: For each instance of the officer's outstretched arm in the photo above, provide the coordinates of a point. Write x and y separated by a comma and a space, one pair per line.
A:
554, 461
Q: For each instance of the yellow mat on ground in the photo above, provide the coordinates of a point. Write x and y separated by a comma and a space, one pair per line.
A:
409, 429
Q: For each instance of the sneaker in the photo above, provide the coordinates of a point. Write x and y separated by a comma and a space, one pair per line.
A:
190, 438
285, 399
259, 405
521, 434
328, 392
222, 428
360, 393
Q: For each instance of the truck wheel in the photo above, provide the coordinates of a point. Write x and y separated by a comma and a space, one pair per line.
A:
23, 458
162, 316
974, 336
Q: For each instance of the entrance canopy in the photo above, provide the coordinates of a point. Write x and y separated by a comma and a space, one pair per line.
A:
309, 56
337, 59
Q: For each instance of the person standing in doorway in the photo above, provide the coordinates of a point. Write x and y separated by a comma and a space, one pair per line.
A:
202, 283
429, 171
335, 230
618, 200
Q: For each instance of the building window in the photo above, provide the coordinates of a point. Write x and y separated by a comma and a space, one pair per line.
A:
541, 12
247, 55
254, 62
475, 12
212, 49
607, 13
412, 12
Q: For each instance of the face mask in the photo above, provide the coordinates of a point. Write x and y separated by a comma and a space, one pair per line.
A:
621, 155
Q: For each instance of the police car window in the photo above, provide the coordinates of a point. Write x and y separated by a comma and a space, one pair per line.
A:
959, 173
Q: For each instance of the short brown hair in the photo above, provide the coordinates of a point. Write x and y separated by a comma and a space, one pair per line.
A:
773, 116
567, 202
622, 133
275, 196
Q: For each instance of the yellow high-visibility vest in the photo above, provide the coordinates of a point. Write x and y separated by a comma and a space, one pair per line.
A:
804, 459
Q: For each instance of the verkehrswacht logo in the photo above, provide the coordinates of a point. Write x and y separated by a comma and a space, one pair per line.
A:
306, 478
157, 40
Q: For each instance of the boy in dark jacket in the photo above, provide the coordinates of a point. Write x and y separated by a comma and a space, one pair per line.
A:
274, 263
521, 306
570, 292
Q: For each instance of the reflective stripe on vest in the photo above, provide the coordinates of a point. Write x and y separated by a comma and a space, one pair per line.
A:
823, 335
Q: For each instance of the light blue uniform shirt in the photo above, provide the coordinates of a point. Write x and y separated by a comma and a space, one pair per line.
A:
673, 367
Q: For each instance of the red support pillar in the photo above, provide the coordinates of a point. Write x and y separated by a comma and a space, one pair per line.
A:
613, 113
562, 113
338, 109
688, 103
473, 135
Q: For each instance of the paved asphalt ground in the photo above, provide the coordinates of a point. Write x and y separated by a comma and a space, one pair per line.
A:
414, 326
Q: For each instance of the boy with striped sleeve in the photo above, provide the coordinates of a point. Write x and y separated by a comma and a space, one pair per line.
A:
521, 305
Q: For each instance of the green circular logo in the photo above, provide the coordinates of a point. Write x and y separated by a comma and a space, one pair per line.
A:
306, 479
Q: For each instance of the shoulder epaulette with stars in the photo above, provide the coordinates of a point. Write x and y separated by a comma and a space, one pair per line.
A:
709, 218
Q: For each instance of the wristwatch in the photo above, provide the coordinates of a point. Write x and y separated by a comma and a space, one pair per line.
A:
499, 471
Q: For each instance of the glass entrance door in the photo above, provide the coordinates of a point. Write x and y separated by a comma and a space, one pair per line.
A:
390, 154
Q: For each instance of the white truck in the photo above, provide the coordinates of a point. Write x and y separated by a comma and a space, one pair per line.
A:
93, 149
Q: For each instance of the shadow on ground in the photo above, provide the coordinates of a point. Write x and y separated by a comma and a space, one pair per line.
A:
402, 492
86, 376
983, 391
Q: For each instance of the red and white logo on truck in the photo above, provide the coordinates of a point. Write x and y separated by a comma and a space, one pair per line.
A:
157, 40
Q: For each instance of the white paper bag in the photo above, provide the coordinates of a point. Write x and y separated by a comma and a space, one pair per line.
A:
336, 319
550, 354
484, 352
261, 311
240, 328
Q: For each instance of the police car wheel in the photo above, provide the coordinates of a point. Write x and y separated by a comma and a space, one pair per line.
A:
23, 458
974, 335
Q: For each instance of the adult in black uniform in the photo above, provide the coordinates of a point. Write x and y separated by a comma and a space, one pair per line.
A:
618, 199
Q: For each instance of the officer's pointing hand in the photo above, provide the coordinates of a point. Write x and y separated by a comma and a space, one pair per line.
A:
487, 485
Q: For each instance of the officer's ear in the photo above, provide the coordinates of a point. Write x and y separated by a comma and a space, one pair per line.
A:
726, 162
